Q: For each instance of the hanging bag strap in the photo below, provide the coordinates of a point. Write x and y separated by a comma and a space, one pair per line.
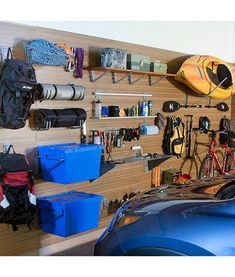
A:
9, 53
9, 149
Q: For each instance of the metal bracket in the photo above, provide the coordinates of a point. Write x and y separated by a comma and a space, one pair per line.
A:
146, 166
114, 77
217, 86
92, 75
209, 101
151, 83
130, 79
186, 101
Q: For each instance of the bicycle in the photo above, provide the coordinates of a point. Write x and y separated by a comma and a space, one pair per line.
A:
211, 166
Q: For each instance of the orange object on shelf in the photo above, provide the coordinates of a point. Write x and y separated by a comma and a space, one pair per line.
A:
184, 178
156, 176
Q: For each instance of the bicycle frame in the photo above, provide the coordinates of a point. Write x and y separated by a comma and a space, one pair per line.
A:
227, 152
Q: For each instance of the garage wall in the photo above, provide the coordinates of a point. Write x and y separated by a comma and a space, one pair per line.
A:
124, 178
215, 38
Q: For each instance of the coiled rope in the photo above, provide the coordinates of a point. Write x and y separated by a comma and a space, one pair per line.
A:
40, 51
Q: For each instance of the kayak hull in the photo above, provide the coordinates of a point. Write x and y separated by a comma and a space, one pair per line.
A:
196, 73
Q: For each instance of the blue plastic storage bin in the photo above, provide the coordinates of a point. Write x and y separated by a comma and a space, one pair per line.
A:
70, 162
69, 213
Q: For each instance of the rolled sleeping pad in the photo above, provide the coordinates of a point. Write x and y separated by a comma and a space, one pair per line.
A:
46, 118
149, 130
60, 92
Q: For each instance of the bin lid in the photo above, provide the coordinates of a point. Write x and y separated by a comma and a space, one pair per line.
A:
80, 148
73, 147
67, 197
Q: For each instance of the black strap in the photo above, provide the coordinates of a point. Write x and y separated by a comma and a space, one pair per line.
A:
14, 228
29, 225
9, 148
56, 91
74, 91
9, 52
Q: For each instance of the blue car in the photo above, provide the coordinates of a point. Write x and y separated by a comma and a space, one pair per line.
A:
197, 219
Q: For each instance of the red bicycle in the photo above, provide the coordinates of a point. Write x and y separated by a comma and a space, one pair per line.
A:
211, 166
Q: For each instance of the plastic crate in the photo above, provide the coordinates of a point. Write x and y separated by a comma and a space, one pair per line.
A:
70, 162
69, 213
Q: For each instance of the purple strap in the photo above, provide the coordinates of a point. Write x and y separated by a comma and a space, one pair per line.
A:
79, 56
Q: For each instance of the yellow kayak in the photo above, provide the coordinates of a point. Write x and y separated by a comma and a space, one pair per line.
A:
208, 75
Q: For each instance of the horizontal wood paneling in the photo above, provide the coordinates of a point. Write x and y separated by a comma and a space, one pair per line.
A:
124, 178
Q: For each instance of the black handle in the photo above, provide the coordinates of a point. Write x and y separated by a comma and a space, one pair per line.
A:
9, 53
9, 149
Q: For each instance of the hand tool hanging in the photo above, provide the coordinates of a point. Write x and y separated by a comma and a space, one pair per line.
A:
109, 146
189, 131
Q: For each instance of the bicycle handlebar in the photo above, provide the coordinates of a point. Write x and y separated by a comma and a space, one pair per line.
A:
226, 132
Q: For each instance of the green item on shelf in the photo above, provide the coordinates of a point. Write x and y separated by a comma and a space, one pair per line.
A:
158, 67
170, 176
113, 58
138, 62
150, 108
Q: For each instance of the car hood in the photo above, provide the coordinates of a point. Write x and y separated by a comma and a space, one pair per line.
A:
160, 197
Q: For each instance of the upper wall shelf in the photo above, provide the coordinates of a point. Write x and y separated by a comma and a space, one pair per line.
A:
128, 74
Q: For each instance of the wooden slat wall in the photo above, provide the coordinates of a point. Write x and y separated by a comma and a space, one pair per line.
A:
124, 178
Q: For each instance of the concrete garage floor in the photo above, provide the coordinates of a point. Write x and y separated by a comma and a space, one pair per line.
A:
82, 245
86, 249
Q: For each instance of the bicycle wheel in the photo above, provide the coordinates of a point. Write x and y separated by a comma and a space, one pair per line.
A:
229, 165
206, 170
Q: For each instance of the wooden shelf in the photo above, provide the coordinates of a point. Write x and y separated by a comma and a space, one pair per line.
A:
126, 117
128, 75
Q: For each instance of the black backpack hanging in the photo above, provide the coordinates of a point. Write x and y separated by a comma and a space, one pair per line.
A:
17, 191
174, 137
17, 90
228, 136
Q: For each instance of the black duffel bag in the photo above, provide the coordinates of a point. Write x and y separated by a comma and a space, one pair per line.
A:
46, 118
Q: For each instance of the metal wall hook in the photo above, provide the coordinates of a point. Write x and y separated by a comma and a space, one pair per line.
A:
151, 82
114, 77
92, 75
130, 78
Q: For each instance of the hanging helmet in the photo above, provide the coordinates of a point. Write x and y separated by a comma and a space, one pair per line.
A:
204, 124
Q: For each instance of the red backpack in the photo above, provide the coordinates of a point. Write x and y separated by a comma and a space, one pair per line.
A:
17, 190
